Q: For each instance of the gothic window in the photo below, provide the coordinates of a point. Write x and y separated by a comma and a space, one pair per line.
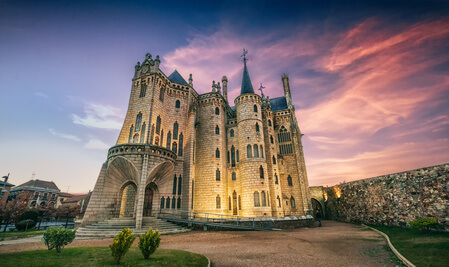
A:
162, 138
168, 140
136, 138
161, 94
234, 176
269, 123
274, 160
217, 175
256, 151
261, 151
289, 181
255, 108
143, 90
232, 156
268, 199
231, 133
256, 199
217, 130
271, 139
138, 121
177, 104
181, 143
217, 153
173, 203
218, 202
249, 151
240, 203
264, 199
229, 201
229, 157
217, 111
158, 124
261, 172
156, 140
167, 203
174, 147
237, 155
257, 127
131, 131
278, 200
175, 131
162, 202
178, 203
142, 139
175, 180
276, 181
292, 202
179, 184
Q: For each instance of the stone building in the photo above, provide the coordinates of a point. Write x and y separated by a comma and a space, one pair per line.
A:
182, 150
38, 192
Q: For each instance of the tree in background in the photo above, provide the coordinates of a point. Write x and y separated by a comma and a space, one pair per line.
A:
67, 212
14, 208
45, 213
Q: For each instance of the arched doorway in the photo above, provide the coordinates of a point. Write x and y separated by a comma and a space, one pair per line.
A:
128, 200
234, 203
150, 191
316, 205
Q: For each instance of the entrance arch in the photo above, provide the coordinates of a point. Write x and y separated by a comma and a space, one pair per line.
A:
128, 200
316, 205
150, 191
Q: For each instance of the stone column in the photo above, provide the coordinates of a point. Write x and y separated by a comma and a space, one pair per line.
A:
224, 81
141, 193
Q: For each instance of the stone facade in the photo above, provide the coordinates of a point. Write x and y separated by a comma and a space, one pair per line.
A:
181, 150
393, 199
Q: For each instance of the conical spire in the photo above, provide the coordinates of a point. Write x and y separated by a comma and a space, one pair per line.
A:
247, 86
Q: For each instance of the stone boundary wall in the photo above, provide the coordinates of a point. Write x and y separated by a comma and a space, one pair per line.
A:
393, 199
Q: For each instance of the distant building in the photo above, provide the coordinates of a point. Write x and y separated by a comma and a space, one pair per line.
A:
38, 192
78, 200
63, 196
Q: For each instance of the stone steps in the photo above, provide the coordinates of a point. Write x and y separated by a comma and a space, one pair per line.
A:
113, 227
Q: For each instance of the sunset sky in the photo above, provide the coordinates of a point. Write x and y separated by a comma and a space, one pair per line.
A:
370, 80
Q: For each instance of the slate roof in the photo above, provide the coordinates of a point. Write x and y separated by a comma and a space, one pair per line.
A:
247, 86
278, 103
40, 184
177, 78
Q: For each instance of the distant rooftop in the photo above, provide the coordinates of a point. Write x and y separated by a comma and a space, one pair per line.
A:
177, 78
39, 184
278, 103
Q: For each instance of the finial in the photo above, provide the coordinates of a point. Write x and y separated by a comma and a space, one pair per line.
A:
218, 87
260, 89
148, 56
190, 80
157, 58
213, 86
138, 64
244, 55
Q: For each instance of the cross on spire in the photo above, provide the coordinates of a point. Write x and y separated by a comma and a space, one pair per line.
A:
244, 55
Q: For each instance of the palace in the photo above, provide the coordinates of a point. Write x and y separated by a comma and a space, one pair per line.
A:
182, 150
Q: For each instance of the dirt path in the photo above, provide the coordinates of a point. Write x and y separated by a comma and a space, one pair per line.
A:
335, 244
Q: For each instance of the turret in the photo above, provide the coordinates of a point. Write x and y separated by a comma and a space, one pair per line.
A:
224, 81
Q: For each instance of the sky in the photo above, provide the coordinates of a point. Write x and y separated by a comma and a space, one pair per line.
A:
369, 79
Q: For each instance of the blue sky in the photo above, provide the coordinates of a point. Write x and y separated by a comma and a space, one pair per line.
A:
369, 79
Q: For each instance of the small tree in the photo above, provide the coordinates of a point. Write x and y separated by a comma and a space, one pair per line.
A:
57, 237
149, 242
122, 243
14, 208
67, 212
45, 212
425, 224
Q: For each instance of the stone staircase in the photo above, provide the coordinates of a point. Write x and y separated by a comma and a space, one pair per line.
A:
113, 227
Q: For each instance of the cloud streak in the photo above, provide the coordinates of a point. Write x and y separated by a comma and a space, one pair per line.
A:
65, 136
99, 116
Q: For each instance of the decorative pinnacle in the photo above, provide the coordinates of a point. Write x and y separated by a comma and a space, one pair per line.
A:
244, 55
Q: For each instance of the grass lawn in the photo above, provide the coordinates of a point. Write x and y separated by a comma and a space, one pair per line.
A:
19, 234
101, 256
422, 249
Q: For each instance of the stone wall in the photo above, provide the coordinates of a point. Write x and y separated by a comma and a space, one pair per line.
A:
393, 199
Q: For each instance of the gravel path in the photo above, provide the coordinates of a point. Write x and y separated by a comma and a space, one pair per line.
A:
335, 244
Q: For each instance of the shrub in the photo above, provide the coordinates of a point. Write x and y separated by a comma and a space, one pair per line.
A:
149, 242
25, 225
57, 237
122, 243
425, 224
30, 214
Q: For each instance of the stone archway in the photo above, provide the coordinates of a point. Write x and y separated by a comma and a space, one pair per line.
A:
316, 206
128, 194
148, 204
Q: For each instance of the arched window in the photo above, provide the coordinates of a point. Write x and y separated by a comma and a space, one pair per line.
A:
289, 181
168, 140
269, 123
229, 201
162, 138
256, 151
217, 153
138, 121
156, 140
217, 130
161, 94
255, 108
274, 160
175, 182
231, 133
261, 172
234, 176
175, 131
240, 203
179, 184
151, 134
136, 138
278, 200
217, 175
271, 139
177, 104
276, 180
268, 199
292, 202
229, 157
144, 127
173, 203
174, 147
264, 199
257, 127
143, 90
178, 203
162, 202
217, 111
261, 151
167, 203
158, 124
131, 131
249, 153
237, 155
232, 156
218, 202
181, 143
256, 199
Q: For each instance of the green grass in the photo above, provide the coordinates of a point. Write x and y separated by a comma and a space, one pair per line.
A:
20, 234
422, 249
101, 256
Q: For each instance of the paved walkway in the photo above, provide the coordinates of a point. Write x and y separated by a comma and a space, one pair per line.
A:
335, 244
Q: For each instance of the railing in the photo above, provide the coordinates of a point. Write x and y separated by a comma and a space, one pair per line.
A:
124, 149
